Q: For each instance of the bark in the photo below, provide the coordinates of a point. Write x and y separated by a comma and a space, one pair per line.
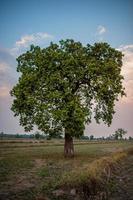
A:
68, 146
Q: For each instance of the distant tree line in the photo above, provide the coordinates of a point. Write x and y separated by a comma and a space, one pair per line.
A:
37, 135
15, 136
118, 135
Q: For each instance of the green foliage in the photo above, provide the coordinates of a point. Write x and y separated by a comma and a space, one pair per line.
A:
37, 135
119, 133
61, 85
91, 137
44, 172
1, 135
130, 138
84, 137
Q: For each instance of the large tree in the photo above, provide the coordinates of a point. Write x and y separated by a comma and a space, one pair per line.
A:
62, 85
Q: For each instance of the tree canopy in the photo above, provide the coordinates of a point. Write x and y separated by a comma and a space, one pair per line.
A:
119, 133
60, 86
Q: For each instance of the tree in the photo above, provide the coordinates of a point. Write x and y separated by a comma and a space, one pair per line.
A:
37, 135
54, 134
84, 137
91, 137
1, 135
62, 85
119, 133
130, 138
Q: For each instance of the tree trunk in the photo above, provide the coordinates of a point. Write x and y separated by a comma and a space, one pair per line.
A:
68, 146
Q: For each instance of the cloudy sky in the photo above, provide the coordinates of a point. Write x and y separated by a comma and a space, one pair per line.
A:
40, 21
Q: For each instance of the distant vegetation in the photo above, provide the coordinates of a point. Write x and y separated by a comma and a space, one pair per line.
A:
36, 136
118, 135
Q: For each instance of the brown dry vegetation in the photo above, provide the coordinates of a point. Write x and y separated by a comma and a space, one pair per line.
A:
39, 173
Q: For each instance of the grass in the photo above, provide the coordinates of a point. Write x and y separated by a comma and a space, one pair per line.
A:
94, 177
38, 170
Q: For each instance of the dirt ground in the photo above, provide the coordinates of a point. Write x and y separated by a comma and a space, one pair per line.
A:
122, 181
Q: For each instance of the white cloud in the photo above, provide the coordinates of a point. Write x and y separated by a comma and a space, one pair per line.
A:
127, 72
4, 91
100, 33
129, 91
126, 48
35, 38
26, 40
101, 30
3, 67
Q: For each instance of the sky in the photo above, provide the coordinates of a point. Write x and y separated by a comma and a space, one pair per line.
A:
39, 22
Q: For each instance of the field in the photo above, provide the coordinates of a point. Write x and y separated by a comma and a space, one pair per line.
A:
38, 170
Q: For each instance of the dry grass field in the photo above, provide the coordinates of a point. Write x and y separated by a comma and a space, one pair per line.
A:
32, 170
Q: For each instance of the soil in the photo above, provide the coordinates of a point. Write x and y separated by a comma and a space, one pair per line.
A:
22, 186
123, 181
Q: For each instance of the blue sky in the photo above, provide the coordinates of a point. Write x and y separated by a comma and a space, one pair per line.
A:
25, 22
67, 19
